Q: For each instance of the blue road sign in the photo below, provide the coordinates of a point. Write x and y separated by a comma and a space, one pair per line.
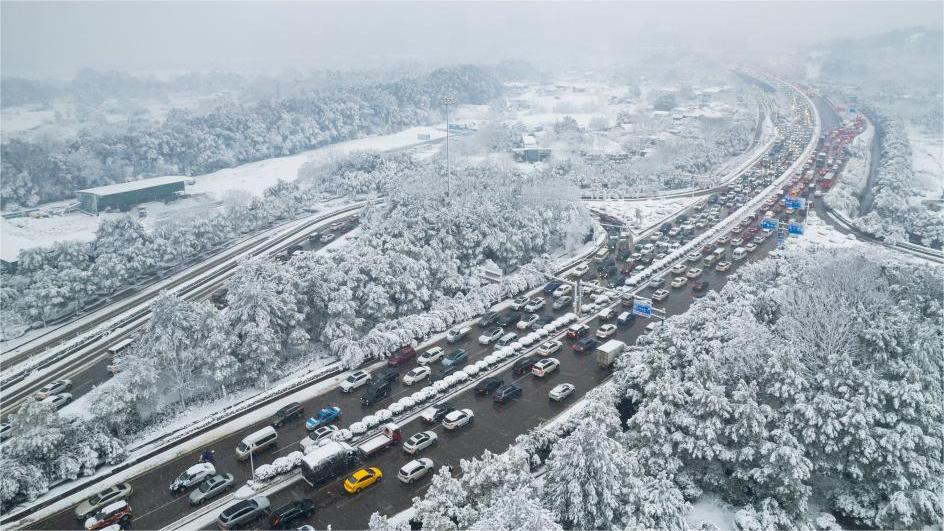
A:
795, 229
642, 307
769, 224
795, 203
852, 110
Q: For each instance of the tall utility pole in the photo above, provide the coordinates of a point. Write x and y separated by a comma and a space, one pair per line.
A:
447, 101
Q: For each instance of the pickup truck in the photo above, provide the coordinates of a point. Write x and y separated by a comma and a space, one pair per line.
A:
390, 436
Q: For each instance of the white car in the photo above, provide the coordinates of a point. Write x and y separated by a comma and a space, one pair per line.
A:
750, 247
606, 331
457, 333
652, 327
694, 272
528, 320
416, 375
549, 347
657, 282
723, 240
519, 303
419, 441
415, 469
660, 295
678, 269
545, 366
431, 355
536, 304
678, 282
694, 257
562, 290
355, 380
489, 337
317, 435
581, 269
58, 401
561, 392
723, 266
192, 476
457, 419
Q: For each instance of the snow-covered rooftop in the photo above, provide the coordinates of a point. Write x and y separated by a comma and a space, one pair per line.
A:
142, 184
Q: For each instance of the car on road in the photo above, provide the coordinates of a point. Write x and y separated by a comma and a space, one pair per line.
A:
551, 286
6, 431
506, 340
562, 302
457, 419
586, 344
286, 413
561, 391
545, 366
657, 282
528, 320
549, 347
455, 334
361, 479
327, 237
562, 290
488, 386
193, 475
625, 319
694, 272
211, 487
523, 365
508, 319
577, 330
243, 512
117, 513
581, 269
417, 374
53, 388
58, 401
375, 393
401, 356
436, 412
519, 302
750, 247
605, 331
456, 358
723, 239
317, 435
431, 355
488, 319
491, 336
507, 393
678, 282
660, 295
385, 376
443, 372
723, 266
534, 304
355, 380
102, 498
678, 269
327, 415
285, 516
700, 288
419, 441
415, 470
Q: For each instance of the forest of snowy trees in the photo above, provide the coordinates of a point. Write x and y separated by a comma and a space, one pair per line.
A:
36, 171
818, 389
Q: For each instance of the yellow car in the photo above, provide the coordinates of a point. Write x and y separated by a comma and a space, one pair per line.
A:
362, 479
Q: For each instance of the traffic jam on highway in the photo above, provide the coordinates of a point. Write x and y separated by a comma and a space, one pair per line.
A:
342, 482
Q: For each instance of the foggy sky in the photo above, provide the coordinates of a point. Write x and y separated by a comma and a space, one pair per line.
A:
56, 39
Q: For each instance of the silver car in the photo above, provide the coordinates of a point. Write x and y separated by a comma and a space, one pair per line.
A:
211, 487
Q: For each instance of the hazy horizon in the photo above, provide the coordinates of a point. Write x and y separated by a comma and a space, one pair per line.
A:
56, 39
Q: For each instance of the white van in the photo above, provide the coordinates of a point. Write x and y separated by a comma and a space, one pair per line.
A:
739, 253
256, 442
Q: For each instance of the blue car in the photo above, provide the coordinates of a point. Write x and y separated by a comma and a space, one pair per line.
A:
551, 286
455, 358
325, 416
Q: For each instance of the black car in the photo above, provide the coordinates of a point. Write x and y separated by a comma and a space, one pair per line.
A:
489, 319
436, 412
507, 393
284, 516
443, 372
508, 319
385, 376
551, 286
488, 386
375, 393
586, 344
286, 413
524, 365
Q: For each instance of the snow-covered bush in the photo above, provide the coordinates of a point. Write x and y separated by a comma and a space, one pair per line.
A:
280, 466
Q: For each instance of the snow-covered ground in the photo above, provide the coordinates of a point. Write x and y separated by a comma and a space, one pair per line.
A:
640, 214
709, 509
24, 233
928, 164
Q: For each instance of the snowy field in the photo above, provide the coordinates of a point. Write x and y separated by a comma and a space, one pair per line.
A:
928, 163
641, 214
25, 233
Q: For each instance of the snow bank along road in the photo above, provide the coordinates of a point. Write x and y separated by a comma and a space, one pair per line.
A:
85, 362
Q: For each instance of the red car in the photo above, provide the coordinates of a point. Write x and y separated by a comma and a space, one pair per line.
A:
401, 356
754, 229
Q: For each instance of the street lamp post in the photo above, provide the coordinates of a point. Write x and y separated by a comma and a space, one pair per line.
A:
447, 101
